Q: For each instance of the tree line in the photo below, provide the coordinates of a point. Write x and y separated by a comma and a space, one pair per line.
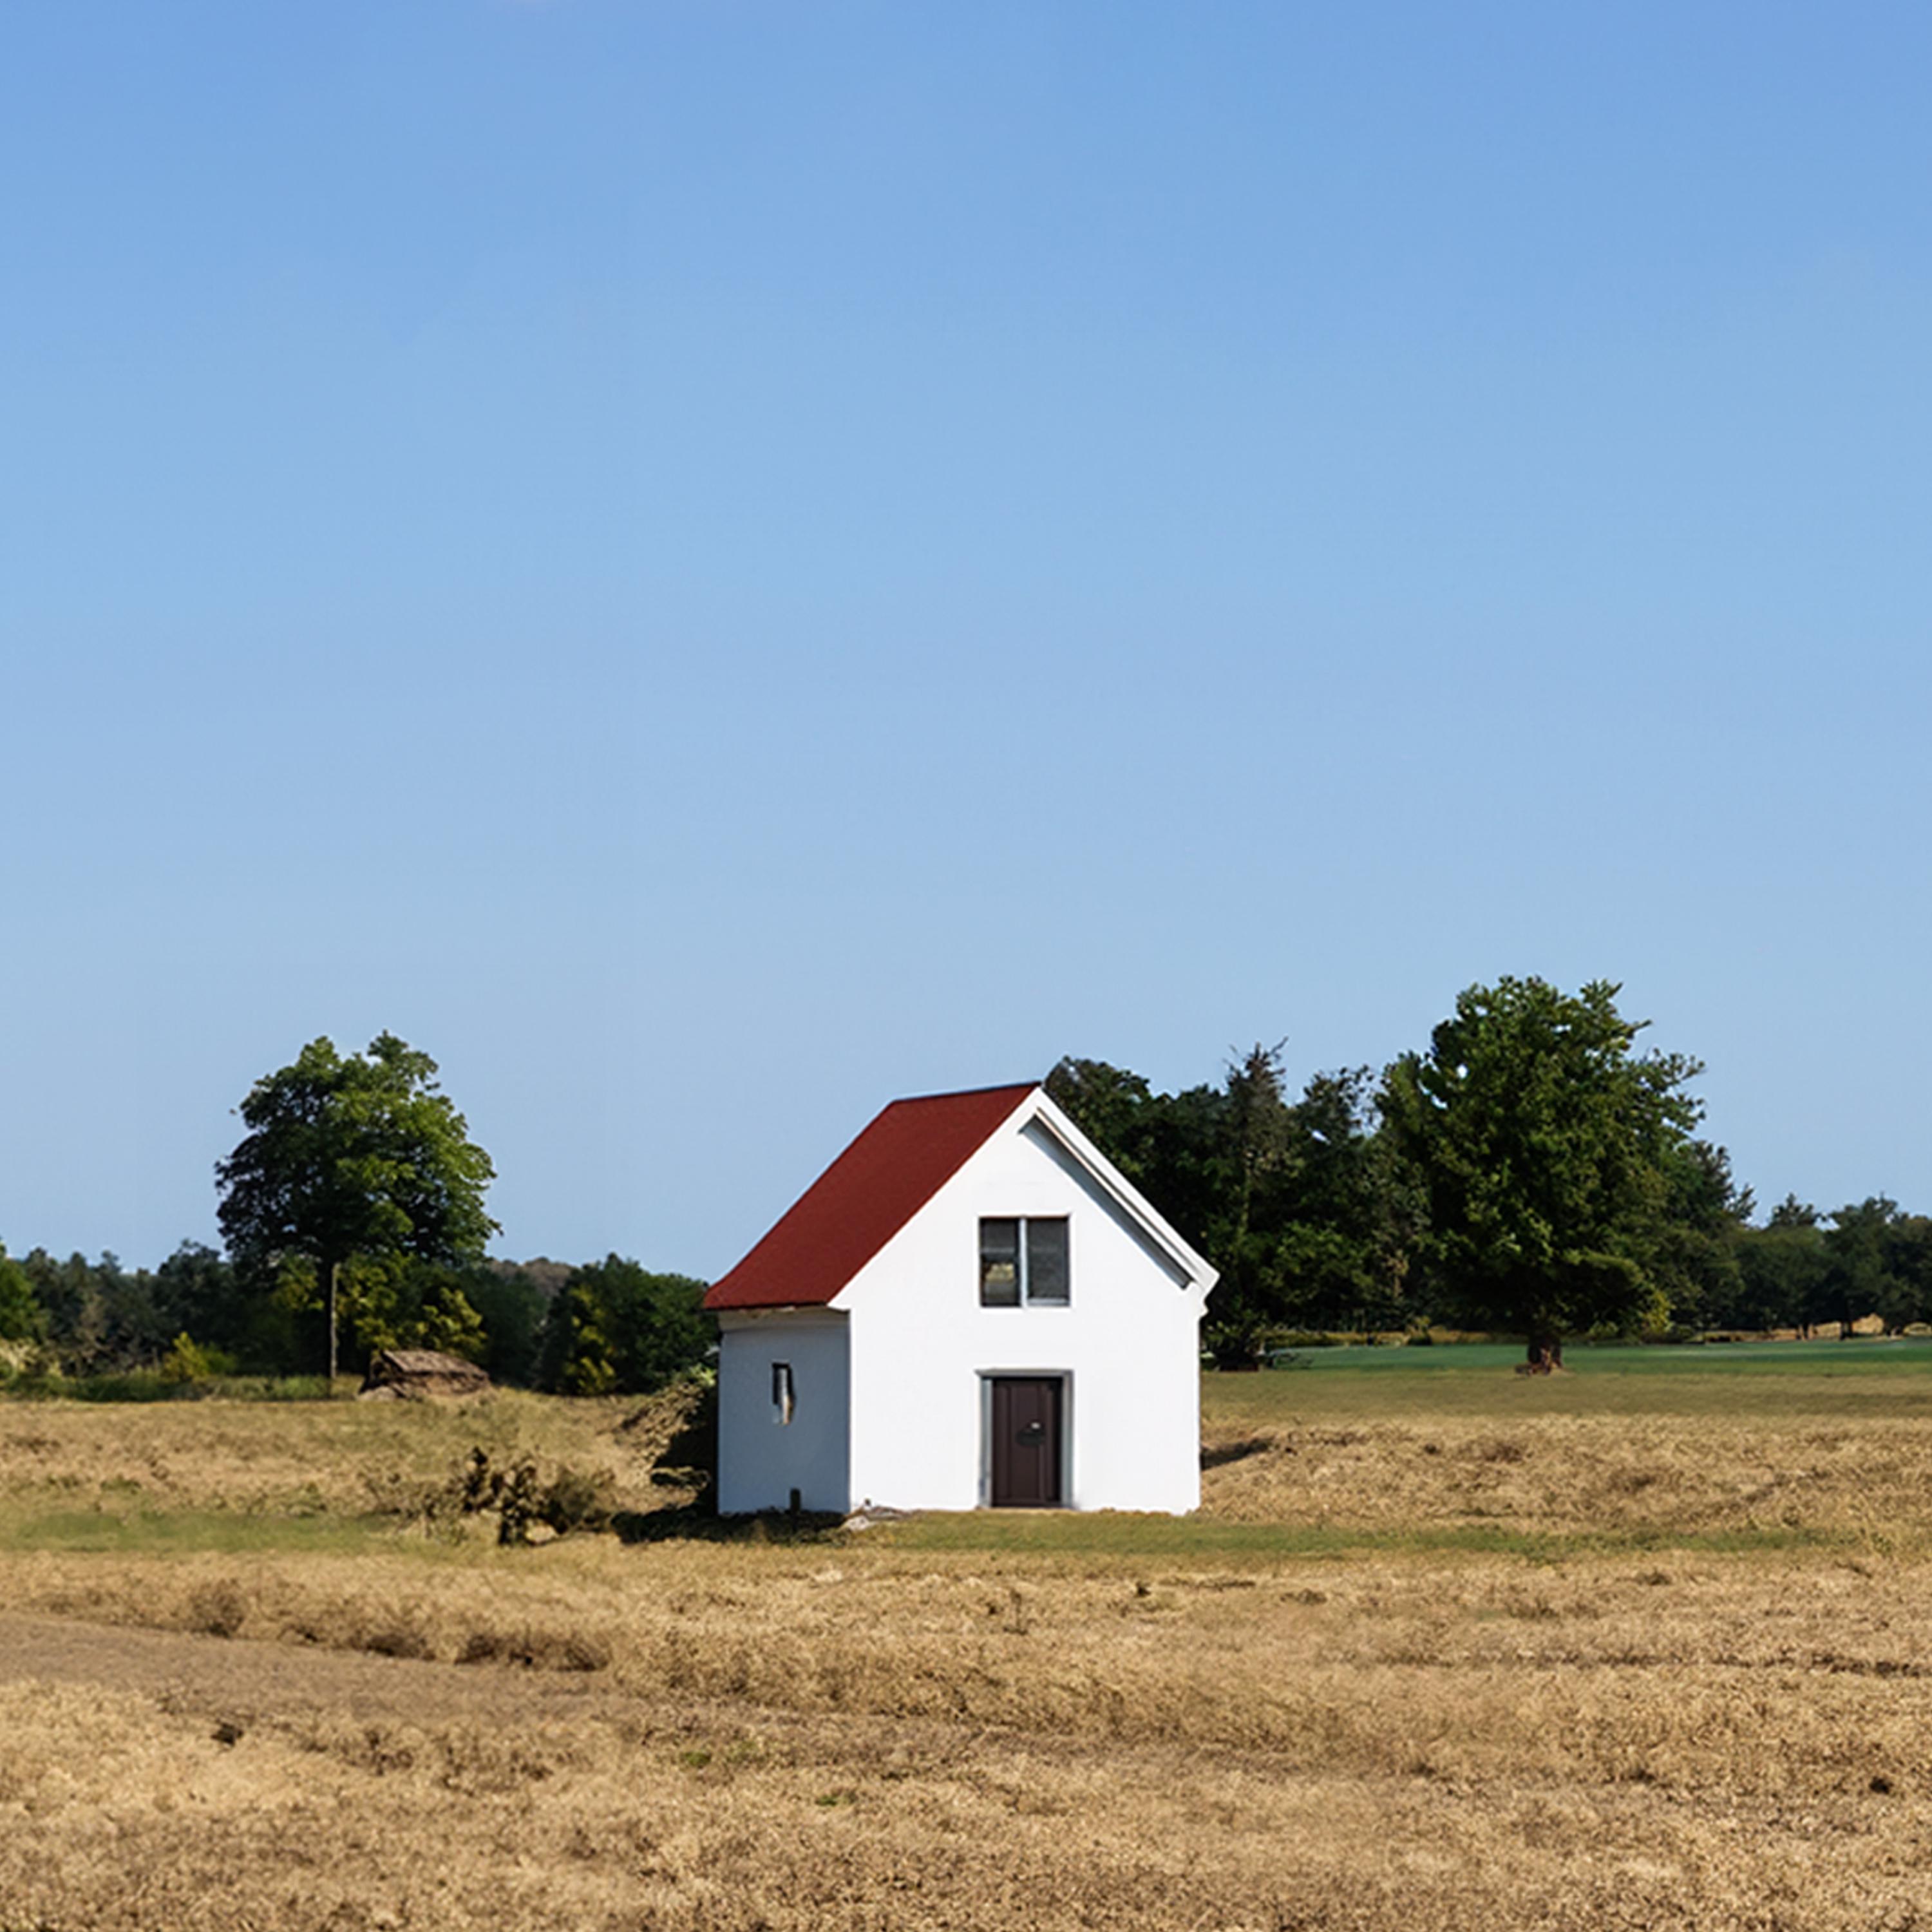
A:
608, 1326
353, 1213
1531, 1172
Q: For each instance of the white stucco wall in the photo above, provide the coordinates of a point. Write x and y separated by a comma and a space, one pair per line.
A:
921, 1344
760, 1461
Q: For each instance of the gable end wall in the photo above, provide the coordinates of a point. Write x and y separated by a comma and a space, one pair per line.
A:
921, 1344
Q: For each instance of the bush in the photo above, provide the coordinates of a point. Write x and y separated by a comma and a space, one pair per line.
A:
218, 1610
26, 1362
187, 1361
577, 1499
573, 1499
615, 1328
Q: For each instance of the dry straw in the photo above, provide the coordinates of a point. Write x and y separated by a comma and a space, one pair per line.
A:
1547, 1660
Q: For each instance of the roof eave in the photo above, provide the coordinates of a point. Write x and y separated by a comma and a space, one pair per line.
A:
1198, 1272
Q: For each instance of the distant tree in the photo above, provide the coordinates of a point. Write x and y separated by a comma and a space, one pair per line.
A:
69, 1299
357, 1160
1909, 1259
197, 1293
1350, 1220
1188, 1174
512, 1305
1296, 1202
1248, 1233
1170, 1146
617, 1328
1213, 1162
1783, 1271
1861, 1247
22, 1317
1113, 1108
98, 1316
1543, 1145
1792, 1213
135, 1332
399, 1301
1693, 1256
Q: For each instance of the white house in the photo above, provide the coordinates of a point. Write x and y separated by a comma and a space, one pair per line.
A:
970, 1307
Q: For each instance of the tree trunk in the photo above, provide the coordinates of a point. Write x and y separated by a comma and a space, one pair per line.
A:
1544, 1355
1237, 1352
333, 1268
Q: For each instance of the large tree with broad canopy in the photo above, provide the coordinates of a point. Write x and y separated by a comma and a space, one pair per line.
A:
1543, 1144
359, 1159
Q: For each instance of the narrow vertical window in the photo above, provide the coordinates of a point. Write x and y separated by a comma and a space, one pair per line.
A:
781, 1392
1046, 1275
999, 1264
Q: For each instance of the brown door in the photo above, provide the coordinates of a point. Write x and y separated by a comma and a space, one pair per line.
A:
1026, 1441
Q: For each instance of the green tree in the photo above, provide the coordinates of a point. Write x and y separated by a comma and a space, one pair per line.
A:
1864, 1245
1297, 1203
1694, 1257
1541, 1142
197, 1292
398, 1301
1113, 1108
359, 1159
1350, 1219
98, 1316
617, 1327
1909, 1257
1783, 1270
22, 1318
512, 1307
1172, 1146
1247, 1233
1213, 1162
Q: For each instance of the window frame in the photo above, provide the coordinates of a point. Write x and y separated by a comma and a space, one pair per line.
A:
1024, 1296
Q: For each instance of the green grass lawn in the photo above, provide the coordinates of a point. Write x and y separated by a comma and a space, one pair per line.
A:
1862, 1355
1864, 1377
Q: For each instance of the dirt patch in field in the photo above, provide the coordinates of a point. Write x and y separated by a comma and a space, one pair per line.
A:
248, 1683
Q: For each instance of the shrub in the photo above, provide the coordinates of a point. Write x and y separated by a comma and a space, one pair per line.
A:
219, 1610
187, 1361
577, 1499
573, 1499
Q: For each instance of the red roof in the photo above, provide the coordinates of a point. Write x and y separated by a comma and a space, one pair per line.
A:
909, 1151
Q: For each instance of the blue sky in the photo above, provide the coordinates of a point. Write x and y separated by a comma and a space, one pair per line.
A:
712, 564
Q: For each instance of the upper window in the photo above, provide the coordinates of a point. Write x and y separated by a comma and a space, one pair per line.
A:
1023, 1262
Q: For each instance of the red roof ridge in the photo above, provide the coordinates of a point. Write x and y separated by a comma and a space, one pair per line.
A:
910, 1148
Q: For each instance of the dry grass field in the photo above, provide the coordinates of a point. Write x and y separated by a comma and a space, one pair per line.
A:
1649, 1645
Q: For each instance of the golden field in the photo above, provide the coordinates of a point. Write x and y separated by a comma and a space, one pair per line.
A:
1646, 1645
